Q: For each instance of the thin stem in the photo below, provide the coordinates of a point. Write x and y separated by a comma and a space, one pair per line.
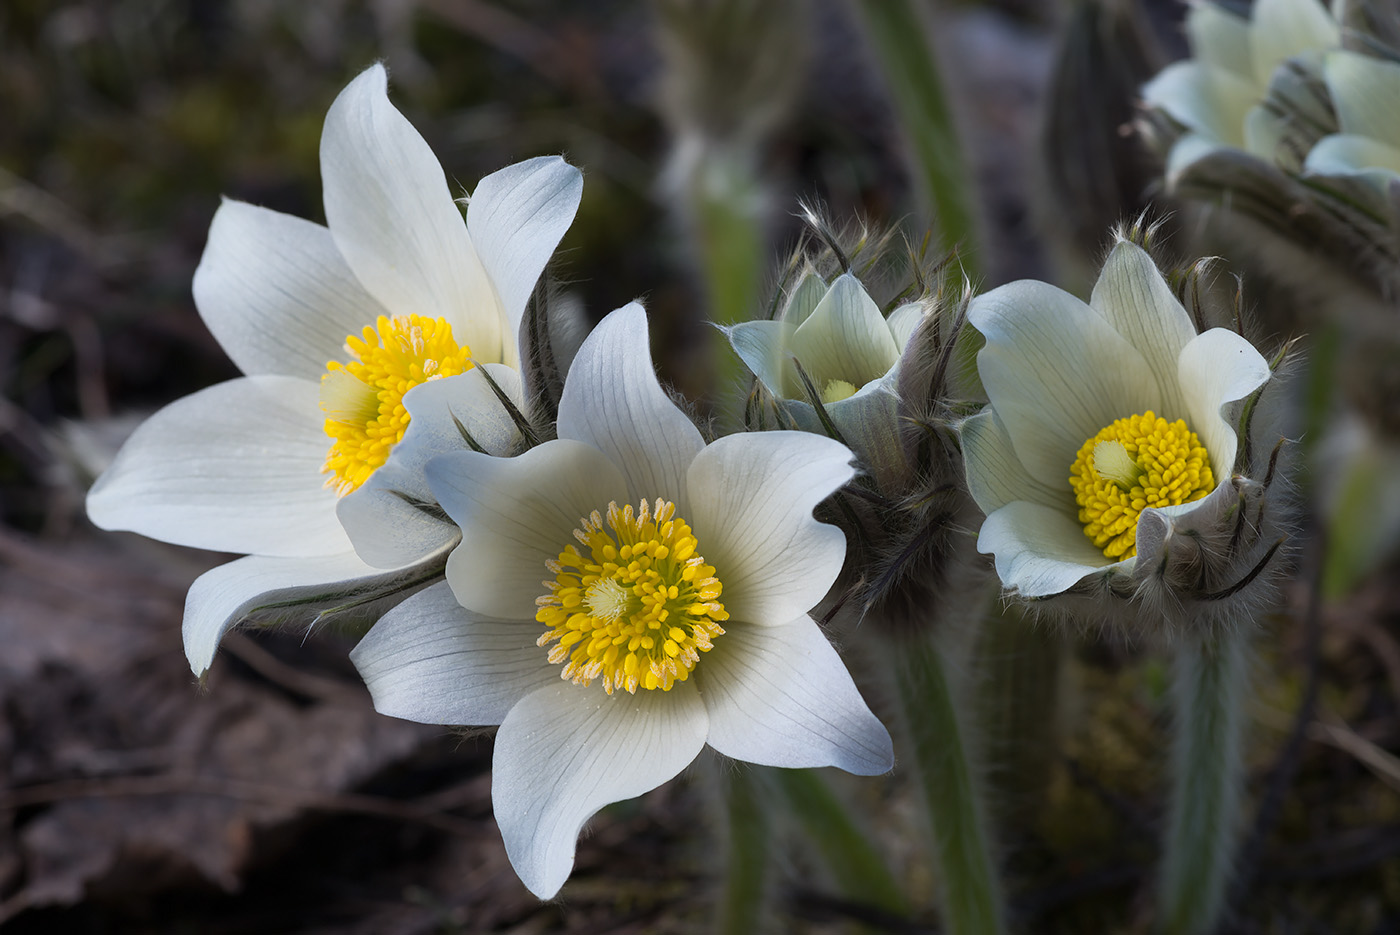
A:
742, 904
856, 866
972, 899
906, 56
1210, 683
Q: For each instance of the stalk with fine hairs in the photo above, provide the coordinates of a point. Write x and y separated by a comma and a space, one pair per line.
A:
1210, 683
943, 748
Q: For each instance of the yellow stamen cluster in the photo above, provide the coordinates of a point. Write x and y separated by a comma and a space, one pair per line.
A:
837, 390
1138, 462
636, 606
363, 398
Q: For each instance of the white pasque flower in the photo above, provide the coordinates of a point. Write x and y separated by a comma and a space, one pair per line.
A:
1366, 94
331, 325
849, 351
1217, 95
1106, 426
678, 577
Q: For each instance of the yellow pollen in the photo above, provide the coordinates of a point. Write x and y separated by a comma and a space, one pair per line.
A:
363, 398
837, 390
1135, 463
633, 603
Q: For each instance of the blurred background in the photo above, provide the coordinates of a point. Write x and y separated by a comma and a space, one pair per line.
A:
274, 799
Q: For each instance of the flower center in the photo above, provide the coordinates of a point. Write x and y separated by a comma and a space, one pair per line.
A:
1132, 464
837, 390
635, 605
363, 398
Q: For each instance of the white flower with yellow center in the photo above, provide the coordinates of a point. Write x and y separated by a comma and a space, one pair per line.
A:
622, 596
1366, 94
849, 352
1107, 425
333, 326
1217, 95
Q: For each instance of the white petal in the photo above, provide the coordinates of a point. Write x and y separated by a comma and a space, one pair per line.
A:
1056, 373
995, 476
223, 596
903, 322
1366, 93
780, 696
1212, 101
803, 298
276, 294
566, 751
1281, 29
1039, 550
1265, 132
751, 498
433, 661
1217, 368
1340, 154
762, 346
845, 338
394, 220
235, 467
516, 514
516, 218
1219, 38
1134, 298
612, 401
1188, 149
389, 519
869, 422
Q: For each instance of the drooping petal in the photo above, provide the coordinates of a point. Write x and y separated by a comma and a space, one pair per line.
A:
1341, 154
516, 514
276, 294
1366, 93
393, 218
225, 595
780, 696
1188, 149
761, 345
1216, 368
995, 476
235, 467
1219, 38
1056, 372
433, 661
750, 503
1280, 29
612, 402
1039, 550
516, 217
1133, 297
845, 337
391, 518
566, 751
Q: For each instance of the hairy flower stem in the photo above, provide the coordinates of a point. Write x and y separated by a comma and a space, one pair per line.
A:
1210, 684
856, 866
1016, 668
743, 903
972, 898
905, 53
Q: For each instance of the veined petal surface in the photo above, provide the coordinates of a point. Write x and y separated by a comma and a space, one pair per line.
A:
781, 696
1039, 550
433, 661
1216, 368
235, 467
562, 754
276, 293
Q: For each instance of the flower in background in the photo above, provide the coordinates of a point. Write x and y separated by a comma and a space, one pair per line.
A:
1218, 96
1106, 453
849, 352
1366, 94
333, 326
678, 577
